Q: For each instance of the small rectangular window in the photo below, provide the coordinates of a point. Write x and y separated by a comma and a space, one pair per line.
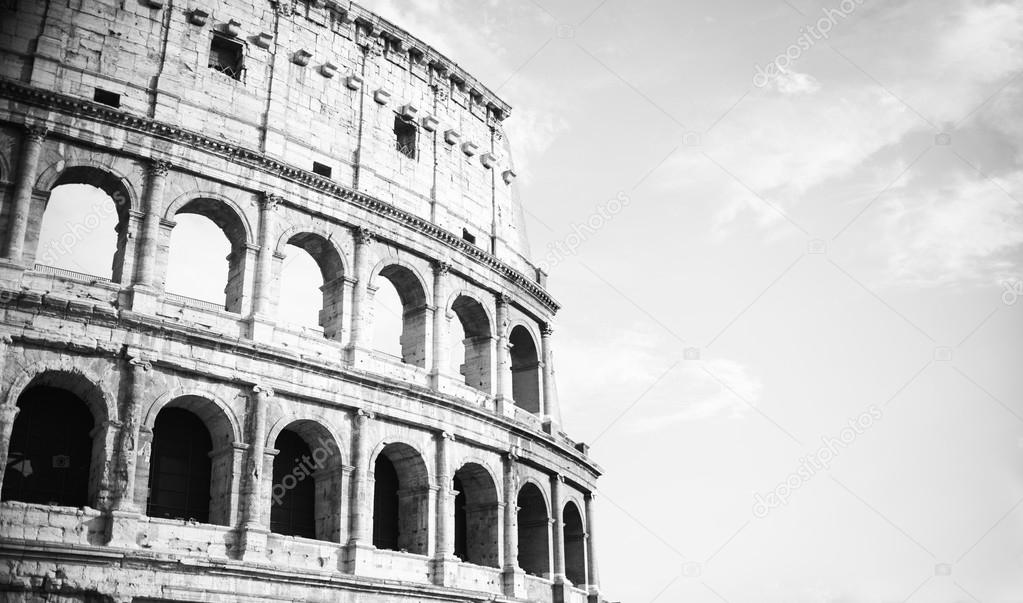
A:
468, 236
322, 170
405, 136
106, 97
226, 56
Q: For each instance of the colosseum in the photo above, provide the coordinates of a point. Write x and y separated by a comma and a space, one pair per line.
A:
156, 447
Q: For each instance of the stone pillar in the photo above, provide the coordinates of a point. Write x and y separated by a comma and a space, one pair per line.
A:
262, 320
550, 409
127, 450
558, 550
440, 344
31, 149
360, 542
513, 578
363, 241
445, 564
505, 403
255, 529
593, 575
148, 249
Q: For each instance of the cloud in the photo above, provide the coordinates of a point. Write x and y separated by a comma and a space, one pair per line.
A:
716, 388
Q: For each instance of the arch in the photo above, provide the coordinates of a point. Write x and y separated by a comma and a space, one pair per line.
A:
412, 292
574, 537
477, 515
534, 523
102, 175
216, 414
477, 367
54, 456
401, 499
229, 214
210, 415
329, 259
305, 494
114, 185
322, 236
525, 367
232, 221
80, 380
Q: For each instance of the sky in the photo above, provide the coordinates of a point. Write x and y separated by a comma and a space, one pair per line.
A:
787, 240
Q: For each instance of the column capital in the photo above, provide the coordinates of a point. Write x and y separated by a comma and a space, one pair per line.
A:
364, 236
264, 391
269, 201
6, 339
36, 132
141, 363
546, 329
158, 168
502, 298
512, 454
363, 413
441, 267
446, 435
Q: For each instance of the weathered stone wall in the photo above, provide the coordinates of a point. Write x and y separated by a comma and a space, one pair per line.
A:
187, 139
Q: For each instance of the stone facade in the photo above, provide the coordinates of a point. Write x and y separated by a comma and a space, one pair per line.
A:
323, 126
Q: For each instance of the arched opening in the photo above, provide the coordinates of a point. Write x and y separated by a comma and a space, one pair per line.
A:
206, 230
191, 466
411, 309
311, 284
401, 497
477, 516
575, 544
534, 532
525, 366
50, 454
180, 467
305, 495
293, 512
84, 224
474, 342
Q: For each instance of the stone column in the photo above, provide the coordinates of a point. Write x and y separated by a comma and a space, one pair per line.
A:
360, 543
593, 583
440, 344
31, 149
505, 403
255, 529
262, 321
445, 508
363, 241
558, 527
550, 408
513, 578
125, 512
148, 249
127, 450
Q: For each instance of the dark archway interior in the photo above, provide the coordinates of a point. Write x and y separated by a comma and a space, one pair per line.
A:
50, 449
293, 502
385, 504
575, 545
180, 470
534, 532
461, 534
